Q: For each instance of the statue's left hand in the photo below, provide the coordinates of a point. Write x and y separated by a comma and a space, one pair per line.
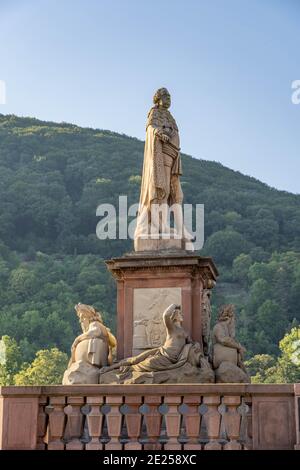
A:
164, 138
109, 368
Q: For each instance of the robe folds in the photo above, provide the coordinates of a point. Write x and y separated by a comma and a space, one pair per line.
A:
157, 186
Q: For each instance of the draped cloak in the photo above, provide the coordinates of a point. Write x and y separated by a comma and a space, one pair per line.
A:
154, 185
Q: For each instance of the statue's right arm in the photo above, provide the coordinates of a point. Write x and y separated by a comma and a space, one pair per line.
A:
75, 343
80, 338
158, 131
94, 331
225, 340
155, 124
167, 320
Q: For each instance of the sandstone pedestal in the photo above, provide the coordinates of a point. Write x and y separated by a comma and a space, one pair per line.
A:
157, 243
147, 283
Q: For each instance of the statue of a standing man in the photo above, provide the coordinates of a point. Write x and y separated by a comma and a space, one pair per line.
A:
160, 187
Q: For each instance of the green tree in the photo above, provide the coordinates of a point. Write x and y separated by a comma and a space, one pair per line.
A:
226, 245
46, 369
240, 268
259, 367
271, 319
10, 360
22, 281
288, 365
285, 369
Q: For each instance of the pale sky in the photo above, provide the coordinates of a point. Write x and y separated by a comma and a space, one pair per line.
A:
229, 65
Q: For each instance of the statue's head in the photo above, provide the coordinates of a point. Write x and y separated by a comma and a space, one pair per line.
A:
226, 312
162, 98
176, 315
87, 314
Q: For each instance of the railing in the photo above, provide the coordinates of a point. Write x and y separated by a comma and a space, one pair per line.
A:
150, 417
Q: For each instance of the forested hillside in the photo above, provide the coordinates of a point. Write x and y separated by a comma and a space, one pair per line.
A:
52, 178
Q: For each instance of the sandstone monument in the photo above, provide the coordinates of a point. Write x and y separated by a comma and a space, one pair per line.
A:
91, 350
155, 283
160, 187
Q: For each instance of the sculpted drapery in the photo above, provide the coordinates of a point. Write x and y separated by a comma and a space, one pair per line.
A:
162, 165
179, 359
159, 183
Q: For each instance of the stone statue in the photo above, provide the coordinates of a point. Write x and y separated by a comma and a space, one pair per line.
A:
160, 187
227, 352
93, 349
205, 320
179, 360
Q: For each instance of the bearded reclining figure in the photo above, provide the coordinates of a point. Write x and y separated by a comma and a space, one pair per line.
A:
179, 360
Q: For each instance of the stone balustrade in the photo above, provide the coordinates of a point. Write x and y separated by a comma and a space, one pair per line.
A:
150, 417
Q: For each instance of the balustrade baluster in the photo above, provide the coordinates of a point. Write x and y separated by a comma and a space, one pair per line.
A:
232, 421
74, 426
173, 420
192, 422
153, 420
95, 422
133, 421
114, 422
41, 424
248, 444
212, 419
56, 423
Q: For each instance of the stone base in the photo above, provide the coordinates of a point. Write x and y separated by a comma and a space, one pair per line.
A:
162, 242
186, 374
230, 373
81, 372
147, 283
157, 244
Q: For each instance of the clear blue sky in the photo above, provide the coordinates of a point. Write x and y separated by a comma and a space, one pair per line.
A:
228, 64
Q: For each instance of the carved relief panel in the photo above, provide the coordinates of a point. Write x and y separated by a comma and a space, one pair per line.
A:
148, 307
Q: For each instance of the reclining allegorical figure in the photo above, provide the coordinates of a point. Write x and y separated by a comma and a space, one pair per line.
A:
91, 350
179, 360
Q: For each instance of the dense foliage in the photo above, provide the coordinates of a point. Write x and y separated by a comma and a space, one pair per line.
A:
53, 177
47, 368
265, 368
